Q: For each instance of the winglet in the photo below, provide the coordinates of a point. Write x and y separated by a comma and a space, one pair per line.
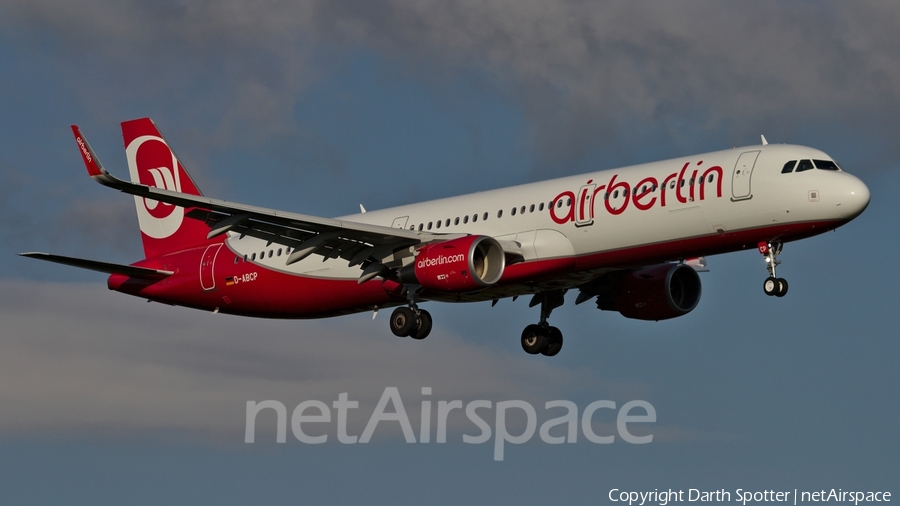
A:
764, 141
94, 167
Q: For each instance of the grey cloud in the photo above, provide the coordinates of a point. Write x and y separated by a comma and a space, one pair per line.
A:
591, 77
76, 357
89, 227
13, 222
104, 228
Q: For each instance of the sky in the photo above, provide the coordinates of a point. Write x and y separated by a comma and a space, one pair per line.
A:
319, 106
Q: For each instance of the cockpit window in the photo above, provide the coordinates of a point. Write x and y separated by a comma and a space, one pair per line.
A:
826, 165
789, 167
804, 165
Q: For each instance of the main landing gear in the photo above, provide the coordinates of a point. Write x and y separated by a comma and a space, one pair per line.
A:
773, 285
411, 321
542, 337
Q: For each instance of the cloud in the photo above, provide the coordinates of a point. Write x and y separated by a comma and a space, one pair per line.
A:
600, 85
78, 358
590, 76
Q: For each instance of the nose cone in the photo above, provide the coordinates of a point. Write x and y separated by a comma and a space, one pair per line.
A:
855, 197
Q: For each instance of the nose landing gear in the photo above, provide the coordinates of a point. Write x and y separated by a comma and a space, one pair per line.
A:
773, 285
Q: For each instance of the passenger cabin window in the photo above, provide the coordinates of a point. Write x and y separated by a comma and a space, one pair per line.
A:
465, 219
485, 216
826, 165
804, 165
513, 212
788, 167
474, 218
500, 213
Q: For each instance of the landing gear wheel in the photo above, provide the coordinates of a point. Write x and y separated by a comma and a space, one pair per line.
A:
782, 287
772, 287
555, 343
403, 321
534, 339
423, 326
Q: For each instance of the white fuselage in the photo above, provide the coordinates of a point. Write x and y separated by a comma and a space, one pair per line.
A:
667, 203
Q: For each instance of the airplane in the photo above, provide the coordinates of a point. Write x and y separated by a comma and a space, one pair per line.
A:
632, 239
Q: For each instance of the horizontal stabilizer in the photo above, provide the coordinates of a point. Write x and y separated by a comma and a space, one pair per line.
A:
109, 268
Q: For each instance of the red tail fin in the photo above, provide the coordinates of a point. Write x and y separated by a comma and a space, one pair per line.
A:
164, 227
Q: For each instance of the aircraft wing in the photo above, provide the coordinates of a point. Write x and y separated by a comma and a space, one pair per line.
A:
355, 242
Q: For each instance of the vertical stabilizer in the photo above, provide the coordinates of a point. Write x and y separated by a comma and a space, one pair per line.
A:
151, 162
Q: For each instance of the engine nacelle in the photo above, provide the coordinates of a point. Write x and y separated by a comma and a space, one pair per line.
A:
658, 292
459, 265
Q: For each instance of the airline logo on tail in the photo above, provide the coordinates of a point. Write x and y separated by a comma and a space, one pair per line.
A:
151, 162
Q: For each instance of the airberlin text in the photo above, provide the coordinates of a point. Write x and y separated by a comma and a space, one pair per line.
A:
441, 260
84, 150
515, 421
686, 185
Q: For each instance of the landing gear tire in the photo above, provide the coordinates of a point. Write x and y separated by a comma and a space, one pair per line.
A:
403, 321
534, 339
782, 287
772, 286
555, 342
423, 326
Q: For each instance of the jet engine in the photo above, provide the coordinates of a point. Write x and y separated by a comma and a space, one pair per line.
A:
658, 292
459, 265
